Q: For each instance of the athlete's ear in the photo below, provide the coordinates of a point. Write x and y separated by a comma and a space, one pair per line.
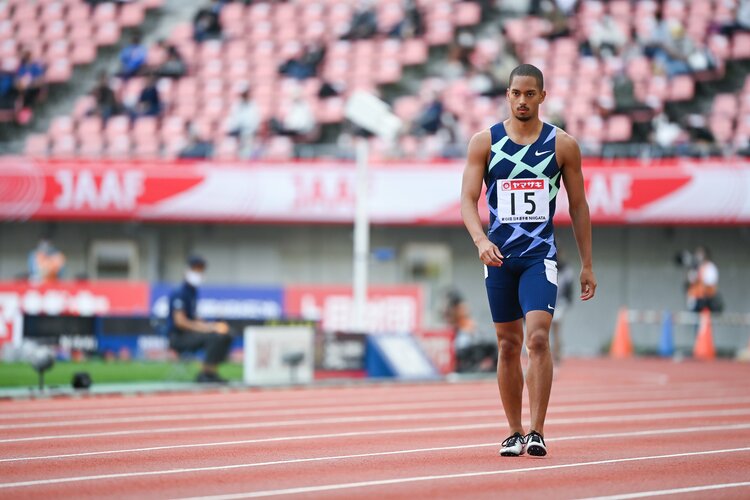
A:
543, 94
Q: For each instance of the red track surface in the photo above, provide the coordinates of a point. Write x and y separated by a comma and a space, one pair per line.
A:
614, 428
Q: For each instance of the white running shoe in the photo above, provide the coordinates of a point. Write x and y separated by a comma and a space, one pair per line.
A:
535, 444
513, 446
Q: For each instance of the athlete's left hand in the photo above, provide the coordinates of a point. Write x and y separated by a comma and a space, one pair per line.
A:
588, 284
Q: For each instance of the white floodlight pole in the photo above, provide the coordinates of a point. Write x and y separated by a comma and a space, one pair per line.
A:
361, 237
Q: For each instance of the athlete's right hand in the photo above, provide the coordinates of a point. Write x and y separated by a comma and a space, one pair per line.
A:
489, 253
221, 328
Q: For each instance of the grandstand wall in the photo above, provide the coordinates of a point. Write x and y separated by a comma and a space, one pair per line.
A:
635, 265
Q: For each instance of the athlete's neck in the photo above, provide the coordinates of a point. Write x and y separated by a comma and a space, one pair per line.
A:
522, 132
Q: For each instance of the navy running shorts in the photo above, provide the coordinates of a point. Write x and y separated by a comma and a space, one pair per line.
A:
521, 285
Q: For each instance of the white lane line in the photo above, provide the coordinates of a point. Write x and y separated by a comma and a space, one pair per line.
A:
384, 482
381, 418
451, 428
564, 394
60, 480
675, 491
490, 403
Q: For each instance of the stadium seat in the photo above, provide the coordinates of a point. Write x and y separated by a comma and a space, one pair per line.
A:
37, 146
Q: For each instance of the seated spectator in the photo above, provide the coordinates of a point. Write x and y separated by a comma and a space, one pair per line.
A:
46, 262
298, 122
149, 101
199, 147
606, 38
8, 93
29, 82
243, 122
430, 118
412, 25
207, 23
330, 89
132, 58
364, 23
305, 63
106, 103
174, 65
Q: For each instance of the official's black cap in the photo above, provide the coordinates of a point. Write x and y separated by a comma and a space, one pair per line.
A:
196, 261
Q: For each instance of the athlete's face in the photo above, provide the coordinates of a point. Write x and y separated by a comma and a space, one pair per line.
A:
524, 97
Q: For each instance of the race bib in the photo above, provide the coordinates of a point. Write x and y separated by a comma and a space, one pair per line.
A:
523, 200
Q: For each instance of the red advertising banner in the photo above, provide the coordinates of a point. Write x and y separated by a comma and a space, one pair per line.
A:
390, 309
625, 192
71, 298
439, 346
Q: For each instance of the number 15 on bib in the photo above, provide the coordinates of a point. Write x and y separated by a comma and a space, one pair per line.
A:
523, 200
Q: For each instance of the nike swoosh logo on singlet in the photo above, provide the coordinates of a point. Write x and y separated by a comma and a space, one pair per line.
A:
540, 153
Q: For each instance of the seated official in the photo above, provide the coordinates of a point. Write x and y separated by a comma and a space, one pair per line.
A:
187, 333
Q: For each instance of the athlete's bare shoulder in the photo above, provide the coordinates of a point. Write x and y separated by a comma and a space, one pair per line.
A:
568, 151
479, 146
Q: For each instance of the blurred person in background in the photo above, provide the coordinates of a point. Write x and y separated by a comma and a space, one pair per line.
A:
298, 122
702, 282
412, 25
46, 263
522, 161
199, 147
132, 57
149, 100
106, 103
565, 283
174, 65
207, 22
243, 122
430, 119
473, 353
364, 22
30, 84
188, 333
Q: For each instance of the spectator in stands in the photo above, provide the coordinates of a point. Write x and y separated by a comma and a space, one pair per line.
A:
668, 135
741, 21
207, 22
305, 64
132, 57
298, 122
199, 147
625, 102
149, 101
412, 25
30, 84
174, 65
364, 23
243, 122
46, 263
8, 92
188, 333
106, 103
606, 38
430, 119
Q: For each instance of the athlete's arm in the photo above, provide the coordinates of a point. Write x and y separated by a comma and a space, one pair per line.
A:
569, 159
471, 189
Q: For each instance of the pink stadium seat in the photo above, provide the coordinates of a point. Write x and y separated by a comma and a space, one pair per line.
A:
78, 14
182, 32
725, 105
279, 148
145, 127
104, 13
84, 52
683, 88
741, 46
57, 49
722, 128
331, 110
132, 14
147, 148
53, 11
414, 52
89, 126
81, 32
55, 30
407, 107
440, 32
63, 147
118, 147
37, 146
91, 147
59, 71
619, 129
82, 106
107, 33
117, 126
152, 4
467, 14
227, 149
61, 126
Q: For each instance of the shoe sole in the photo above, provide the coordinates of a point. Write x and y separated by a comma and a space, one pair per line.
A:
510, 454
536, 451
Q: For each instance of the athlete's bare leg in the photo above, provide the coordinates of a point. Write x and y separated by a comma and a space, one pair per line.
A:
509, 371
539, 370
556, 345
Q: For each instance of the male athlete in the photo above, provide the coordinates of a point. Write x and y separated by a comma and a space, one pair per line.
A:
522, 160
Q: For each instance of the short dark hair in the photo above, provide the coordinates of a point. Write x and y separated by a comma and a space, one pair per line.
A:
527, 70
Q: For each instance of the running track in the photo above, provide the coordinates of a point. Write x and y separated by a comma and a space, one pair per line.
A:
626, 429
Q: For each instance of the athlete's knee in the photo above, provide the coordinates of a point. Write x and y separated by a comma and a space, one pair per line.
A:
509, 347
537, 341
